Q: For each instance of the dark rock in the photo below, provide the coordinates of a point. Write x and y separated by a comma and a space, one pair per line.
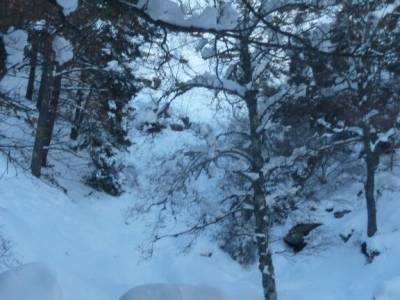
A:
346, 238
177, 127
295, 236
330, 209
153, 127
340, 214
370, 254
187, 122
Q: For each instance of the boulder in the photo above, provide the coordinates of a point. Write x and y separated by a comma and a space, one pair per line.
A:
295, 237
341, 213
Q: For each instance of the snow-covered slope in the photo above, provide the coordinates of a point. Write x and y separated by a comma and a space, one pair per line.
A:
173, 292
31, 281
84, 237
94, 252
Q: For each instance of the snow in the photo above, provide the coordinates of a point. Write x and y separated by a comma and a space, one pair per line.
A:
383, 137
86, 239
225, 18
114, 66
390, 290
173, 292
32, 281
63, 50
211, 81
15, 41
97, 255
68, 6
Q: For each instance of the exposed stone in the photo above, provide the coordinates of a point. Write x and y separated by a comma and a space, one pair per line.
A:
346, 237
370, 254
177, 127
295, 236
340, 214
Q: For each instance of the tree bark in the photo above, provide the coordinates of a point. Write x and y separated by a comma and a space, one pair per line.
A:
33, 64
53, 108
261, 211
79, 114
3, 58
372, 162
44, 99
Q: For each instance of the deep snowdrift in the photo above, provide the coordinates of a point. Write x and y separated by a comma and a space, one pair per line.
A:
173, 292
83, 236
32, 281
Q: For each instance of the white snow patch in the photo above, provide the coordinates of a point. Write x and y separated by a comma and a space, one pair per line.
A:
173, 292
225, 18
63, 50
15, 43
32, 281
390, 290
68, 6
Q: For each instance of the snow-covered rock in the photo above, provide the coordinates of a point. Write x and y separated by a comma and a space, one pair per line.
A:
32, 281
63, 50
68, 6
173, 292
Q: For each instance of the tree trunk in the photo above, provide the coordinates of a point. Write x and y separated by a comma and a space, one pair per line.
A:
372, 161
79, 114
44, 99
52, 117
33, 64
3, 58
261, 211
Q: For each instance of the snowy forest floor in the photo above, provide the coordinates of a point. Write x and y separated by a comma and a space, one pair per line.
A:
86, 238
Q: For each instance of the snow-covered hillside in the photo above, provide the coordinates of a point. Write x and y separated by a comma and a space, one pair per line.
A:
170, 141
85, 239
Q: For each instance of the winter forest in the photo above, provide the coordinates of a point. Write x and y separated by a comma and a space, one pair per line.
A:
199, 149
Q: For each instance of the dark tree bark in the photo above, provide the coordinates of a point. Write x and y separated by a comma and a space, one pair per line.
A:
3, 58
371, 161
261, 211
44, 99
53, 108
33, 55
79, 114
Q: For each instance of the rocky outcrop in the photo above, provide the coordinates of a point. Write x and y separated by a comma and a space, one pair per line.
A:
295, 237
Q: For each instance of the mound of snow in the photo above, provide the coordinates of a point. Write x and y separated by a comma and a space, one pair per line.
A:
173, 292
390, 290
68, 6
31, 281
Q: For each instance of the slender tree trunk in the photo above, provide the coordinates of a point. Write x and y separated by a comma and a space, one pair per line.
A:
44, 99
3, 58
33, 64
53, 108
44, 81
261, 211
79, 114
371, 161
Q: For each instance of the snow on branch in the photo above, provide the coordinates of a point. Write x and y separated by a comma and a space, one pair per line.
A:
68, 6
170, 13
212, 82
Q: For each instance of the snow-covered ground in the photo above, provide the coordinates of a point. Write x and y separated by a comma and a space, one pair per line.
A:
96, 254
86, 241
